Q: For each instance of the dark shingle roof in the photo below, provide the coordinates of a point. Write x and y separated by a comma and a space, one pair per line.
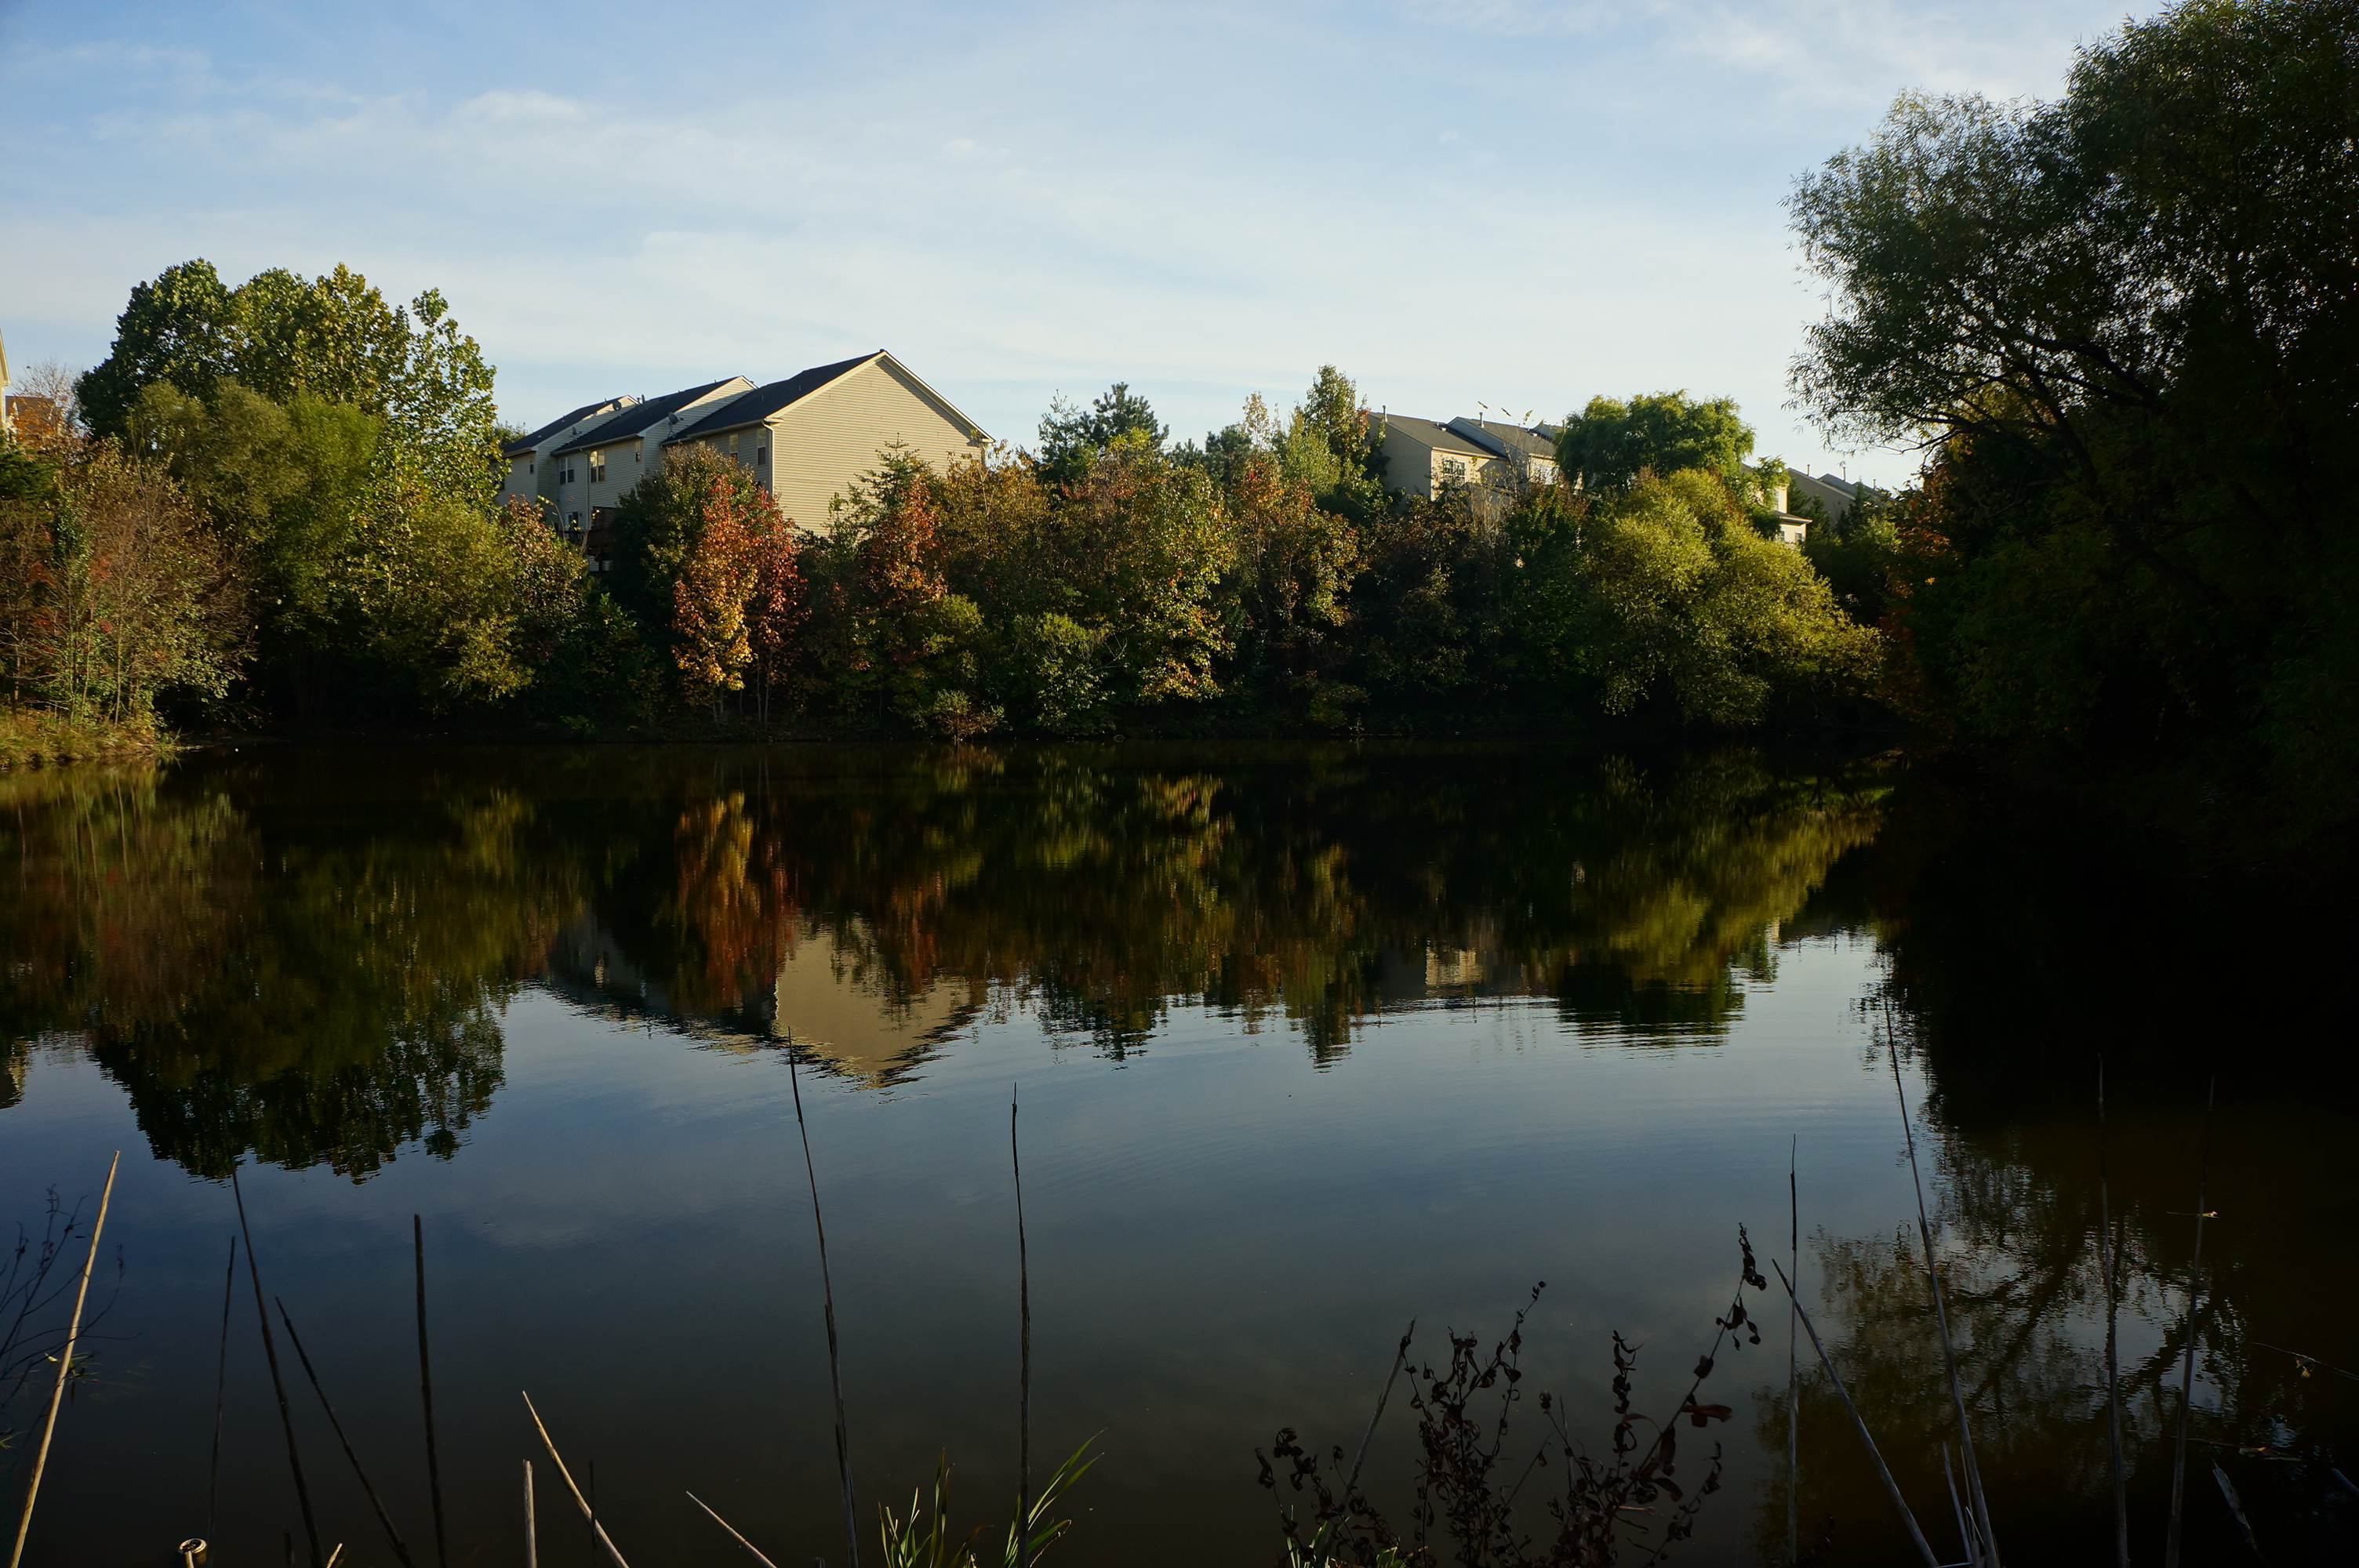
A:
1438, 436
523, 444
1499, 437
763, 401
638, 417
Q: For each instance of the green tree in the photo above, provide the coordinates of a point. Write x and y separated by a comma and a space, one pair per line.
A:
657, 523
333, 336
1069, 437
1608, 444
1665, 593
2134, 380
181, 326
128, 598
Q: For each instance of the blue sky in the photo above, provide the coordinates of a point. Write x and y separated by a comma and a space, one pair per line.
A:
1520, 202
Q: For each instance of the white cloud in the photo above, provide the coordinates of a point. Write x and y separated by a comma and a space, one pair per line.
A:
1498, 198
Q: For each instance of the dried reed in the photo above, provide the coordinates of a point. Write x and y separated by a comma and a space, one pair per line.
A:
65, 1365
1882, 1469
220, 1390
598, 1532
278, 1382
1024, 1369
1793, 1365
2106, 1254
1982, 1546
732, 1528
2187, 1368
827, 1292
426, 1391
400, 1548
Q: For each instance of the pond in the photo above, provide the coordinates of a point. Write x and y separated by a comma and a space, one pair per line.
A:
1309, 1040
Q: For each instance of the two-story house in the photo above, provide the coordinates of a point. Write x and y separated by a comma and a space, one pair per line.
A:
808, 438
588, 470
1495, 464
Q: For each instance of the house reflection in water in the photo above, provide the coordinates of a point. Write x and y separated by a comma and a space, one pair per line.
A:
830, 1000
830, 1003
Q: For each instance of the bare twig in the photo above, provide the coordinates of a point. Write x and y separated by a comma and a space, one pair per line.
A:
1882, 1469
65, 1365
827, 1293
567, 1477
531, 1522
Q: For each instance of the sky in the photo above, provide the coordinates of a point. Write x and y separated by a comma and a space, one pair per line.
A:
1467, 205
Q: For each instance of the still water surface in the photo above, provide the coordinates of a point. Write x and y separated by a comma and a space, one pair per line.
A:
1310, 1041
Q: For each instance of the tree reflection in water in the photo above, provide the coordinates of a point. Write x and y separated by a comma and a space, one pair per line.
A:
303, 955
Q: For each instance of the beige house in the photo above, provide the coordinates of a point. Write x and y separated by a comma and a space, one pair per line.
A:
578, 465
1496, 464
586, 469
1834, 494
808, 438
7, 425
1529, 454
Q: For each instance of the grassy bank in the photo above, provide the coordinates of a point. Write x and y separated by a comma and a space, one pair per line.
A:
31, 737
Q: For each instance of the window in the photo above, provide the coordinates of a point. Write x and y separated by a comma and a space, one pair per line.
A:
1453, 468
638, 448
597, 468
761, 456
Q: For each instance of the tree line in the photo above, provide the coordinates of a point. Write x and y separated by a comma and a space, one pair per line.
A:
2121, 329
319, 467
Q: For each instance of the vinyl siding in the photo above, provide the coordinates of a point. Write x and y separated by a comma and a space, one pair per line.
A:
821, 445
1409, 463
